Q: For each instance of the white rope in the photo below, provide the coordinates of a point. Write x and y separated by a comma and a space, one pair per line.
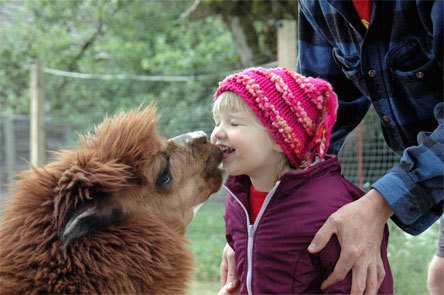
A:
118, 76
143, 77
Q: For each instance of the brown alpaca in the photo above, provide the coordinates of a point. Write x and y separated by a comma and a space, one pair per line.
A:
108, 217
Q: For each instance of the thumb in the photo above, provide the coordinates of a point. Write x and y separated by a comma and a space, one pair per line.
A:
232, 283
232, 279
322, 237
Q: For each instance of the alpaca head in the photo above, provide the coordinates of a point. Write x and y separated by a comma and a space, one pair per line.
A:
125, 169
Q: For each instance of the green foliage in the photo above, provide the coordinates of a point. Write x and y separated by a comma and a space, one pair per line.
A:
408, 255
114, 37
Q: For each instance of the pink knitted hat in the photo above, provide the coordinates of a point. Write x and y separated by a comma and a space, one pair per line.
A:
298, 111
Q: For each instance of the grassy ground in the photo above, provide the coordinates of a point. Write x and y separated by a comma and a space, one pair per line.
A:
207, 236
409, 256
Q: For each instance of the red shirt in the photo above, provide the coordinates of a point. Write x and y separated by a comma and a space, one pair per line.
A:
363, 8
256, 200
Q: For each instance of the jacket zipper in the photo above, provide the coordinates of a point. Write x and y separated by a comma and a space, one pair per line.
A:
251, 230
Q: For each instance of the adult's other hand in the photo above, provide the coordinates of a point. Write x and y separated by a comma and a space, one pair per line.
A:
228, 276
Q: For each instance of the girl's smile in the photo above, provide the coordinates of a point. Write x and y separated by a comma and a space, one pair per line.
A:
226, 151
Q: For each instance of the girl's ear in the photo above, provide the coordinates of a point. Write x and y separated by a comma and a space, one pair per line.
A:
277, 148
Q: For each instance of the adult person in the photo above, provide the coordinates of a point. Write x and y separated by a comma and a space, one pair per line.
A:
392, 60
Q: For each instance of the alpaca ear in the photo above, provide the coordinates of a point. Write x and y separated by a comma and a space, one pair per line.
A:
81, 193
79, 225
87, 220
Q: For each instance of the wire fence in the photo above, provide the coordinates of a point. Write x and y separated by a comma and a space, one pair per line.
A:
376, 158
75, 102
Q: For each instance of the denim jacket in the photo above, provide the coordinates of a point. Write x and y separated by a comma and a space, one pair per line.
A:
396, 65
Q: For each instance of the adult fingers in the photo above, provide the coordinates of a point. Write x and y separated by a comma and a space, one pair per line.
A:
346, 261
223, 269
232, 279
228, 274
375, 274
225, 291
371, 286
380, 272
323, 235
359, 279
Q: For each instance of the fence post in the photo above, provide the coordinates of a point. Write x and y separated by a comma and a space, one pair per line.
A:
360, 153
10, 150
37, 120
286, 43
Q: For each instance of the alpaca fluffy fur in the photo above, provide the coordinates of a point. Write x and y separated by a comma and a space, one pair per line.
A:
108, 216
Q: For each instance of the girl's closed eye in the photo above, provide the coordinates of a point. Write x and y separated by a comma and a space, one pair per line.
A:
237, 122
216, 120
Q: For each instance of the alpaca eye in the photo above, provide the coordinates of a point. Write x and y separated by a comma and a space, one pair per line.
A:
164, 177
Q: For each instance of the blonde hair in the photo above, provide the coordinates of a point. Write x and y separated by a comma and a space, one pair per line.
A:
232, 102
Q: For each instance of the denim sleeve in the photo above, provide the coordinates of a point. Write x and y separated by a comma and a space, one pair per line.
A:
414, 188
315, 59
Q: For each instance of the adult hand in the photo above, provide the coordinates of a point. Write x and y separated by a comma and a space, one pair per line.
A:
359, 227
435, 282
228, 276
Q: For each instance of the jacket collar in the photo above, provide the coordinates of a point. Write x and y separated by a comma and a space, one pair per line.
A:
290, 181
239, 186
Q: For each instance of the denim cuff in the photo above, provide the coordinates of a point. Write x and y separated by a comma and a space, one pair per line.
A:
394, 190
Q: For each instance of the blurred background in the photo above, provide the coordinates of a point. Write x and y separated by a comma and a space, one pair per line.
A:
89, 58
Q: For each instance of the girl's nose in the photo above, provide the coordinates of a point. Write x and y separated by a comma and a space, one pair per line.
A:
217, 133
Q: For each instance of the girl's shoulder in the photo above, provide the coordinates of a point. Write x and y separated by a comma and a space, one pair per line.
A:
320, 196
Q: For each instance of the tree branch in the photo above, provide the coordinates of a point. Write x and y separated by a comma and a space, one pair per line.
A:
190, 9
72, 66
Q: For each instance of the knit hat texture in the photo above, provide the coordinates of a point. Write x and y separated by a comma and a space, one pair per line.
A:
298, 111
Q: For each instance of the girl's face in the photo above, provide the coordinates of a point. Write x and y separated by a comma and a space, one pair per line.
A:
247, 147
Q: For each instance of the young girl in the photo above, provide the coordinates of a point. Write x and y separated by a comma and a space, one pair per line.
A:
274, 126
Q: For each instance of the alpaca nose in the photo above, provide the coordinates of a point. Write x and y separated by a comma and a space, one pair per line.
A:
190, 138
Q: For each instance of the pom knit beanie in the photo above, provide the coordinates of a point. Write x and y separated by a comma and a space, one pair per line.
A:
298, 111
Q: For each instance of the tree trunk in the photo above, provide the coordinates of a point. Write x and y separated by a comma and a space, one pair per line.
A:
241, 39
251, 24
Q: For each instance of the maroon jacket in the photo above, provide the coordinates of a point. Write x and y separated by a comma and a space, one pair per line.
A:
275, 260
